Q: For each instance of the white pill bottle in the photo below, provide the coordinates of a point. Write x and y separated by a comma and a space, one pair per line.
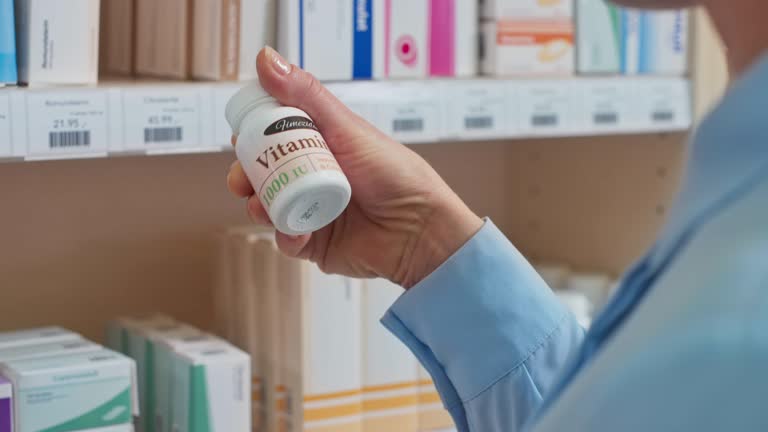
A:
287, 161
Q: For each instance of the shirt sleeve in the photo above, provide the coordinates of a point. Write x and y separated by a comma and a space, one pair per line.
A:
489, 331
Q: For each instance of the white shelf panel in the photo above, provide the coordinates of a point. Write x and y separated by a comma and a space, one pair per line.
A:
160, 118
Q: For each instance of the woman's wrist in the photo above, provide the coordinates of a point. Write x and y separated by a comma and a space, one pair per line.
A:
448, 228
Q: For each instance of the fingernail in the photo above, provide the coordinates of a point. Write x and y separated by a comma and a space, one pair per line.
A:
279, 63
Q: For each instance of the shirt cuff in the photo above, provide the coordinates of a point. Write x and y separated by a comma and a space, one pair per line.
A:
477, 317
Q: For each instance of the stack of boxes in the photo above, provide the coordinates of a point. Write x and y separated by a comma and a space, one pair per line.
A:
380, 39
321, 359
563, 37
188, 380
528, 37
53, 379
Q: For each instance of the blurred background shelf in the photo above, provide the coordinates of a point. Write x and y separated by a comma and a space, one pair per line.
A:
129, 118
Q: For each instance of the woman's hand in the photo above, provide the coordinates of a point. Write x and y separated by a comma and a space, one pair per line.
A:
403, 220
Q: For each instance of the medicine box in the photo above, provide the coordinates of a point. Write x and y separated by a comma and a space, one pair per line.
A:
6, 405
76, 392
212, 390
36, 336
117, 47
319, 381
664, 43
258, 19
528, 48
390, 372
255, 261
142, 342
53, 349
526, 9
598, 37
216, 39
58, 41
164, 358
8, 73
164, 38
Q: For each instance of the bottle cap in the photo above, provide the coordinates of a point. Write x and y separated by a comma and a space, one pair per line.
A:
243, 102
301, 210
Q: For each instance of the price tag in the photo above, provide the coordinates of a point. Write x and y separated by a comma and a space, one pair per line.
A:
161, 120
5, 125
603, 107
666, 103
545, 109
412, 114
477, 110
67, 124
222, 130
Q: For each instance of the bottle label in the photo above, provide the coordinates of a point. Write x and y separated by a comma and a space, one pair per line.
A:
292, 148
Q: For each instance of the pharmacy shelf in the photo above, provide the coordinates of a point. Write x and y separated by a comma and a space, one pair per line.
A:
160, 118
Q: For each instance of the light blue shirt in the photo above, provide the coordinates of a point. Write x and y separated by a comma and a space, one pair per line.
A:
683, 346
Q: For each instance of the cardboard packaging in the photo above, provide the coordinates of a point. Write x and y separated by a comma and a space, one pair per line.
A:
140, 338
36, 336
212, 389
630, 41
6, 405
390, 372
117, 44
432, 414
320, 377
58, 41
258, 28
216, 39
164, 358
664, 43
598, 37
48, 350
453, 35
526, 9
76, 392
164, 38
8, 74
528, 48
255, 260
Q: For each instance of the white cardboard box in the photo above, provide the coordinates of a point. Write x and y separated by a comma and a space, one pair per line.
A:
524, 9
530, 48
598, 37
58, 41
212, 389
36, 336
48, 350
92, 390
321, 371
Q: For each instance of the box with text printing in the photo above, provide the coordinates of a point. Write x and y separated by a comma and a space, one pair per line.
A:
36, 336
212, 389
76, 392
58, 41
319, 382
528, 48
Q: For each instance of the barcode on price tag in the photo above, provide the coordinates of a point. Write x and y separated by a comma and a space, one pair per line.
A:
66, 139
163, 135
67, 124
478, 123
606, 118
663, 116
544, 120
408, 125
162, 120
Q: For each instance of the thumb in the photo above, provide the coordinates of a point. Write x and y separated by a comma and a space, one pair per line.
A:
292, 86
